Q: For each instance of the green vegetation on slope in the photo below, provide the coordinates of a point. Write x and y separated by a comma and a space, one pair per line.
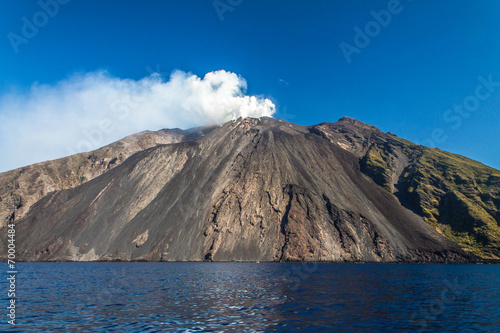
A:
458, 196
376, 165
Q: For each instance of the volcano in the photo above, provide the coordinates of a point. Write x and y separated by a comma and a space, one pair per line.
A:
256, 190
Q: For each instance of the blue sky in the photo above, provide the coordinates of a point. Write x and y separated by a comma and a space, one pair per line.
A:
417, 66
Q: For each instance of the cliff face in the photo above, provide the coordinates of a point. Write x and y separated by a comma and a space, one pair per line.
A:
252, 189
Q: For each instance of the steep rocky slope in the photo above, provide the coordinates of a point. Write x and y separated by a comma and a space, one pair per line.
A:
21, 188
456, 195
252, 189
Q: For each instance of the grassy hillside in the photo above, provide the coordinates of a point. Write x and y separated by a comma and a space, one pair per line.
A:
458, 196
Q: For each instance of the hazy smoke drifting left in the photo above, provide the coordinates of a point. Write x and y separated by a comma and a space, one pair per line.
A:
88, 111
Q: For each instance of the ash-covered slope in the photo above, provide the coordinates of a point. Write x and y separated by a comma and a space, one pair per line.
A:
252, 189
21, 188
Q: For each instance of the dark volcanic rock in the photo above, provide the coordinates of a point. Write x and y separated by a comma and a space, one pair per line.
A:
252, 189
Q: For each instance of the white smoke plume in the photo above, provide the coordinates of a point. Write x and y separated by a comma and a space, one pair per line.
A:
86, 112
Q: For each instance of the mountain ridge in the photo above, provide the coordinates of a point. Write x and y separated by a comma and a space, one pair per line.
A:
326, 198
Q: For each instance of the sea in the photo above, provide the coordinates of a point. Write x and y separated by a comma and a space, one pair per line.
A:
253, 297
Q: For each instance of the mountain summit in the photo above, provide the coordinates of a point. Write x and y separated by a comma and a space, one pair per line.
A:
257, 190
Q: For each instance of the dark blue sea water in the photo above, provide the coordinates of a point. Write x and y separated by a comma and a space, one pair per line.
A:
251, 297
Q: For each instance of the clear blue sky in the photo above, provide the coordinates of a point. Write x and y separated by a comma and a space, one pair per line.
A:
425, 60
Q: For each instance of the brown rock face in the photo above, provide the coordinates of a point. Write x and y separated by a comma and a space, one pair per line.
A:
252, 189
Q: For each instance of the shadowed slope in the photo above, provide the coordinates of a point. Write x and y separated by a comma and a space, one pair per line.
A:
459, 197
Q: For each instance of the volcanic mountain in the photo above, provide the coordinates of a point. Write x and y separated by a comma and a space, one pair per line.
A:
256, 190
